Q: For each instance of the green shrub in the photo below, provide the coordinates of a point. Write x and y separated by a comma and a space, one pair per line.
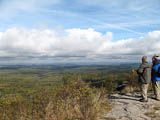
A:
70, 102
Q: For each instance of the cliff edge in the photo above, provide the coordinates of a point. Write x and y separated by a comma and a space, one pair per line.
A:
128, 107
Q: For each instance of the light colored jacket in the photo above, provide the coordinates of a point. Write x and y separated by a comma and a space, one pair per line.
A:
144, 72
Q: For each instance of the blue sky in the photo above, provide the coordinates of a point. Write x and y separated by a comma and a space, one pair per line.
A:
125, 19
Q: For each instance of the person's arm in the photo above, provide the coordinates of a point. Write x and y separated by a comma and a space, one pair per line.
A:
140, 69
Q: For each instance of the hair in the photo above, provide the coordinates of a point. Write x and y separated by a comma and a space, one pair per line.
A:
144, 58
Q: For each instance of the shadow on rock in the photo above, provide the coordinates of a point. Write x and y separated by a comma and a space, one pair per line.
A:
124, 97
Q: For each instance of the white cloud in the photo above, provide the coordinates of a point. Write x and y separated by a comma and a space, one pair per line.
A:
75, 44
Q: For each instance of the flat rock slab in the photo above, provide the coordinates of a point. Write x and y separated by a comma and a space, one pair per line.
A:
128, 107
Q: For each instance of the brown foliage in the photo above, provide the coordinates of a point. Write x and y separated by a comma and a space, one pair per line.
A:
74, 101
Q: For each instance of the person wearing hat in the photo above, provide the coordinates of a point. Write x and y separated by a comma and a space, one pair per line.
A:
155, 58
156, 76
144, 72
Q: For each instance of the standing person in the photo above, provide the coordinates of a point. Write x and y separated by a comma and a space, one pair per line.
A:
144, 72
156, 76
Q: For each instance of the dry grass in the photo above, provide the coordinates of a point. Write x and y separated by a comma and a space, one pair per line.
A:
74, 101
77, 102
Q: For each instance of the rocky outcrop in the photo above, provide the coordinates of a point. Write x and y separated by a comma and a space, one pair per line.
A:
128, 107
124, 89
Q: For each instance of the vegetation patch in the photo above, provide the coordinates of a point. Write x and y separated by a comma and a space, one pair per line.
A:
156, 108
153, 115
78, 93
108, 118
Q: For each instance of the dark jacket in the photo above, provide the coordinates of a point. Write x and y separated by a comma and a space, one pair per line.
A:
144, 72
155, 68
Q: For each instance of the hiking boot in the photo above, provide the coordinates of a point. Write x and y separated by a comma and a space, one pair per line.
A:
143, 100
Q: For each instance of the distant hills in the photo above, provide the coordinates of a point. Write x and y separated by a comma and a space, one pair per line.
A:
70, 66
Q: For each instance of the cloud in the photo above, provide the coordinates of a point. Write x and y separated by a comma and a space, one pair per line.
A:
132, 18
73, 42
74, 45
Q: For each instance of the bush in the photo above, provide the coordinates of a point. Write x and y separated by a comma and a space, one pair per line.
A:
77, 101
74, 101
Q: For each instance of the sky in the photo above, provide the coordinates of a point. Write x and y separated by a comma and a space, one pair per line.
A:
69, 31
